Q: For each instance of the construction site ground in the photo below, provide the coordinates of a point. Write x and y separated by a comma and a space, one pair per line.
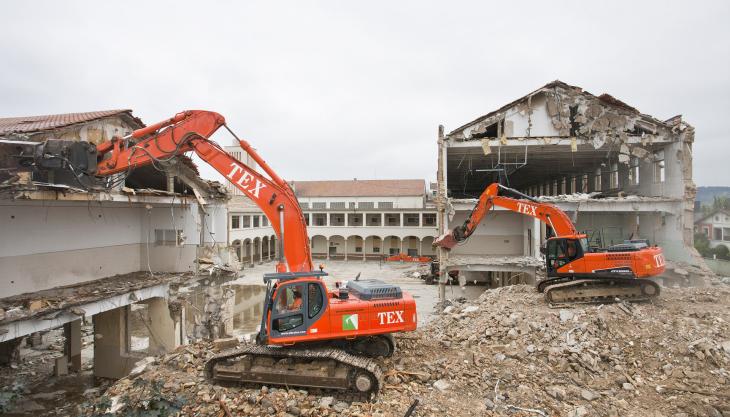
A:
504, 353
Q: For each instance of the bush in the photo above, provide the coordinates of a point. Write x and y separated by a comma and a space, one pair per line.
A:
702, 244
722, 252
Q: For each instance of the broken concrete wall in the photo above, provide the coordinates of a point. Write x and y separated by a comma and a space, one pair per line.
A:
551, 140
46, 244
501, 233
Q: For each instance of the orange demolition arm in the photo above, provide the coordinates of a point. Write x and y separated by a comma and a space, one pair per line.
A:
547, 213
189, 131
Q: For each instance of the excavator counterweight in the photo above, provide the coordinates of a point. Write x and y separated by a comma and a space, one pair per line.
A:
576, 273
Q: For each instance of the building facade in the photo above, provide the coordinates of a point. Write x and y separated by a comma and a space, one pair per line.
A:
348, 220
249, 232
617, 172
716, 226
367, 219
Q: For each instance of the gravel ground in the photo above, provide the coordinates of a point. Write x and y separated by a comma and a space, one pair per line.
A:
505, 353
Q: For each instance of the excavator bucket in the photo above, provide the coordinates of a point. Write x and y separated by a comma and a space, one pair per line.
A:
445, 241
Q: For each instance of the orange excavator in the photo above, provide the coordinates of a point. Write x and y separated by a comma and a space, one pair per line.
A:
310, 335
576, 273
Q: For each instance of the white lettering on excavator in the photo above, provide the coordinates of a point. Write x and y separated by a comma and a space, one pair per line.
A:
245, 180
659, 260
391, 317
528, 209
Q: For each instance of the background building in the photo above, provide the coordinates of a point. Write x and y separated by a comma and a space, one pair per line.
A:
347, 219
716, 226
367, 219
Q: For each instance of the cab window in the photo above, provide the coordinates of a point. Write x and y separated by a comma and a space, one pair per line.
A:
562, 251
316, 299
290, 306
290, 299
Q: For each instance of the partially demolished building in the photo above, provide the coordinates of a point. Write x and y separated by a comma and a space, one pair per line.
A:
618, 172
72, 251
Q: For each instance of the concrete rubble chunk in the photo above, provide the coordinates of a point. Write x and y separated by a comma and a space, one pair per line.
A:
442, 385
580, 411
566, 315
589, 395
326, 402
556, 392
470, 309
225, 343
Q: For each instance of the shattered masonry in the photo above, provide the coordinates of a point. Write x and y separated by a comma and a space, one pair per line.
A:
565, 145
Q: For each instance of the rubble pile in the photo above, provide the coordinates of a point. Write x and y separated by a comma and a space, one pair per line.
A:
506, 353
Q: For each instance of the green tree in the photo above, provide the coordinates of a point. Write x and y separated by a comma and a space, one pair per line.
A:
720, 202
702, 244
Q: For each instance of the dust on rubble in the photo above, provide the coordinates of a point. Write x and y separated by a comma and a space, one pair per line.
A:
505, 353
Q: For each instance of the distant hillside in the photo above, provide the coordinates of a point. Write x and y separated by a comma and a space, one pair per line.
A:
705, 195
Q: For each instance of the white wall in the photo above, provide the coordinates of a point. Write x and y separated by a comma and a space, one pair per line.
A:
45, 244
541, 122
500, 233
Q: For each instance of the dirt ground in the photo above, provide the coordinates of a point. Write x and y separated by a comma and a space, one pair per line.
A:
505, 353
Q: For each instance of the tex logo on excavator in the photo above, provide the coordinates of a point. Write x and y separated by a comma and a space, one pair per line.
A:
244, 181
528, 209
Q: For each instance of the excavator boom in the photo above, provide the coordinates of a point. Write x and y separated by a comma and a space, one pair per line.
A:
547, 213
190, 131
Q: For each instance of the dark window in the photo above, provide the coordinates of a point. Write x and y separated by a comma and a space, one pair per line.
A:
287, 323
429, 219
255, 221
264, 221
235, 222
315, 300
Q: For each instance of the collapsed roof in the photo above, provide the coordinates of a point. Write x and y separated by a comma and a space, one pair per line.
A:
555, 131
94, 127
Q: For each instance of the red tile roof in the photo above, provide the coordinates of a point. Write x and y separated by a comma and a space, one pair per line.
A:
53, 121
359, 188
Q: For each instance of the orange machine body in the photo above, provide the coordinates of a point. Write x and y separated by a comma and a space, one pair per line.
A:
337, 317
647, 262
402, 257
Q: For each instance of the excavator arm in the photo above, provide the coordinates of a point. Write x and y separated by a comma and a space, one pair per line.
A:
523, 204
190, 131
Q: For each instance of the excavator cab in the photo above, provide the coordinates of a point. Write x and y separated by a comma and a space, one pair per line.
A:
296, 306
294, 301
561, 251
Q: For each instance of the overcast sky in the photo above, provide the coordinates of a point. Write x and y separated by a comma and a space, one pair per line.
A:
337, 90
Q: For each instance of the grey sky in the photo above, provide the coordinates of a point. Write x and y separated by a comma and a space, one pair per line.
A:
330, 90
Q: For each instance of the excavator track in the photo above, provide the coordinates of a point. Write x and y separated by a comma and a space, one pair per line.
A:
603, 290
325, 368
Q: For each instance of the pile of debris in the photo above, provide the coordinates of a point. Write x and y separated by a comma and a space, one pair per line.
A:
506, 353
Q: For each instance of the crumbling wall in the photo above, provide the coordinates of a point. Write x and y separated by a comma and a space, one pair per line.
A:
567, 116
